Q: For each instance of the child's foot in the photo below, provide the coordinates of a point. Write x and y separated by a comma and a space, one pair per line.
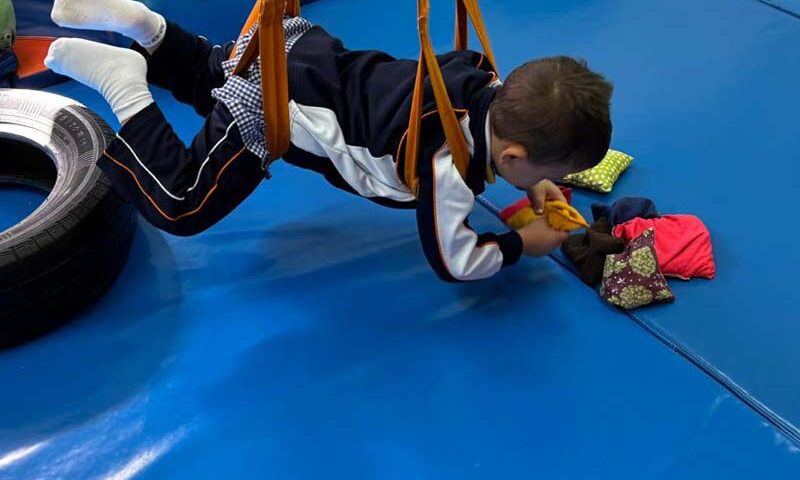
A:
119, 74
128, 17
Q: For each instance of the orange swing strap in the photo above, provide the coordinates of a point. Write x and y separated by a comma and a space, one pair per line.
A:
429, 66
470, 8
292, 9
269, 44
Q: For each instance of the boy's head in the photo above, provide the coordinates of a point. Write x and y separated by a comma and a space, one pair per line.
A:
549, 119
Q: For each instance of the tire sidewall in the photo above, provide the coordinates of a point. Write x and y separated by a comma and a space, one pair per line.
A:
74, 140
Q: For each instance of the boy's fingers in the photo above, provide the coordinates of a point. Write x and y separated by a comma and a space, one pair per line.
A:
538, 196
559, 236
552, 192
542, 192
555, 193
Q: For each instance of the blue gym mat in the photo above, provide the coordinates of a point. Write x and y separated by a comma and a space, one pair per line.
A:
306, 337
18, 202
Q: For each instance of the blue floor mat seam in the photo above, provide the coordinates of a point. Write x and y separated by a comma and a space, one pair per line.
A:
784, 426
780, 8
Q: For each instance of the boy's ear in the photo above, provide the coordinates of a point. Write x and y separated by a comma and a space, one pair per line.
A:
511, 152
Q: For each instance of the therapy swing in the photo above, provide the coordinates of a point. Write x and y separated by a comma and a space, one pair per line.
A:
268, 44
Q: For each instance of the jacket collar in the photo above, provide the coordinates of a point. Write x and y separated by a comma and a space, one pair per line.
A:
479, 118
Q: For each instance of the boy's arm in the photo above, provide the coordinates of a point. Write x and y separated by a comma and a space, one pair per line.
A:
452, 248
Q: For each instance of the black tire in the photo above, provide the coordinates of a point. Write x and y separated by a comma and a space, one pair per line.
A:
68, 252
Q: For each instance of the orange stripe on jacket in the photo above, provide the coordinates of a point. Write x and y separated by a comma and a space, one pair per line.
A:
153, 202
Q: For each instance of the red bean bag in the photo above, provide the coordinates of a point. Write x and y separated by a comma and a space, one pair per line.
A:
683, 244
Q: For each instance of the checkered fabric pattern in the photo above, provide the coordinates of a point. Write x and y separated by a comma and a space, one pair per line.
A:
242, 94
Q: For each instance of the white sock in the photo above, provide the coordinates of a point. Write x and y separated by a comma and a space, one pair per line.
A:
119, 74
128, 17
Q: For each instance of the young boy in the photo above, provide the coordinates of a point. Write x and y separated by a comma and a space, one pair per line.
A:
349, 114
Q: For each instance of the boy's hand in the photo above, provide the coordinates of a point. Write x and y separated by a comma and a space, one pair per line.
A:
539, 239
542, 192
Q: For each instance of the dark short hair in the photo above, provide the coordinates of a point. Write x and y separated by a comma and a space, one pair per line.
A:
558, 110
